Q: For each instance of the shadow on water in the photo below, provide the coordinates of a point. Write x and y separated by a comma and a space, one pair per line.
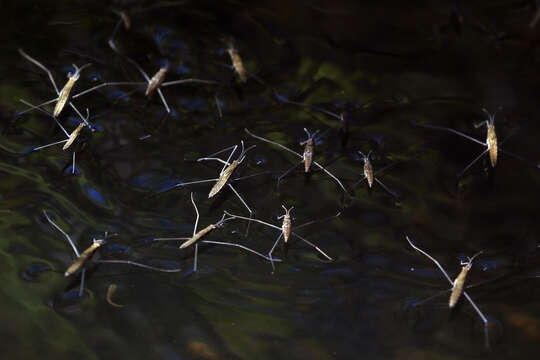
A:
385, 68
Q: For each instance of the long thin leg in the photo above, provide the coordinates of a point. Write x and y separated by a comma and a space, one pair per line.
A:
359, 181
171, 239
465, 294
247, 207
195, 258
32, 107
73, 168
332, 176
143, 73
42, 67
184, 81
273, 143
63, 233
194, 182
223, 150
241, 247
316, 221
313, 245
250, 176
255, 220
452, 131
81, 287
239, 197
81, 115
196, 212
129, 262
162, 97
272, 250
220, 113
385, 187
47, 113
111, 38
213, 158
287, 173
106, 84
471, 163
49, 145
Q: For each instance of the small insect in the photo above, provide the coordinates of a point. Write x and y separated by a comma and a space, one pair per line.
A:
110, 292
306, 156
70, 138
237, 63
465, 294
123, 19
459, 282
63, 95
286, 230
82, 259
369, 175
493, 147
224, 178
197, 235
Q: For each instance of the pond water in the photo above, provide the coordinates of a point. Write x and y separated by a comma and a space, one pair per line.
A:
386, 66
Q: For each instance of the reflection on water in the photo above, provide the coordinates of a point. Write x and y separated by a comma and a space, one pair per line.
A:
368, 73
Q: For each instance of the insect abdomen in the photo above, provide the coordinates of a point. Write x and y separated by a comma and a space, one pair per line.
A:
368, 172
457, 290
79, 262
197, 236
286, 227
156, 81
308, 156
63, 96
223, 179
492, 144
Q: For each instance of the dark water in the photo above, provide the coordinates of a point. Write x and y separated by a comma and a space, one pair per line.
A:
384, 65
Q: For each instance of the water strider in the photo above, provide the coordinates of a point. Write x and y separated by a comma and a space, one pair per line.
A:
225, 174
82, 259
493, 146
198, 235
306, 156
462, 291
459, 282
64, 94
237, 62
286, 230
369, 175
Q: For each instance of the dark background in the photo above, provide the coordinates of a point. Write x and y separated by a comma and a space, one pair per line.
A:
385, 64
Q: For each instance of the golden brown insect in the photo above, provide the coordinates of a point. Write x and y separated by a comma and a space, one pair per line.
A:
110, 292
156, 81
491, 138
307, 156
81, 260
465, 294
459, 282
225, 174
196, 238
73, 135
62, 96
369, 175
237, 63
286, 226
286, 230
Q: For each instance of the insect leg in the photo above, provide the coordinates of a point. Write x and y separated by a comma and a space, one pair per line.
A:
273, 143
471, 163
42, 67
48, 145
129, 262
184, 81
81, 287
196, 212
272, 250
32, 107
288, 172
162, 97
63, 233
314, 246
106, 84
243, 202
241, 247
452, 131
45, 112
385, 188
73, 168
332, 176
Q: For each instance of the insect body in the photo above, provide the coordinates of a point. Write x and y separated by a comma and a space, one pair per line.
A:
63, 97
286, 225
73, 135
81, 260
223, 178
369, 175
308, 151
459, 282
156, 81
238, 65
199, 235
492, 143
